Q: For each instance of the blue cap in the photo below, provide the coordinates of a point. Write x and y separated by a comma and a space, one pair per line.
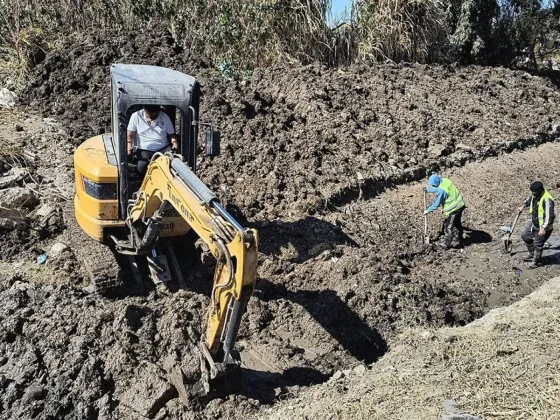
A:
434, 180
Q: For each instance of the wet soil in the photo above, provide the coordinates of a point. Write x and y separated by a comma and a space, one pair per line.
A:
323, 163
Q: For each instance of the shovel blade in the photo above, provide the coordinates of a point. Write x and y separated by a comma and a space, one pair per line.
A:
507, 243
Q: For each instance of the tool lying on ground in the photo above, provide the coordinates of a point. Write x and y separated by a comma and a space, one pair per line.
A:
507, 237
426, 236
138, 216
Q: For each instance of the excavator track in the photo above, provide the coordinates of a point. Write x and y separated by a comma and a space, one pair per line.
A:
99, 263
102, 268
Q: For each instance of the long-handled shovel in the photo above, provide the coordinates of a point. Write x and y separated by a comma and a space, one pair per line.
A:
507, 238
426, 236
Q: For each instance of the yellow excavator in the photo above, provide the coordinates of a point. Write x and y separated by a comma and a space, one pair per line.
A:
138, 217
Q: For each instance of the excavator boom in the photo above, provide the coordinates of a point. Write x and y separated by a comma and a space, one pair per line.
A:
170, 182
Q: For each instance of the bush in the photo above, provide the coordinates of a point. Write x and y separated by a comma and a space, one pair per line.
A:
470, 29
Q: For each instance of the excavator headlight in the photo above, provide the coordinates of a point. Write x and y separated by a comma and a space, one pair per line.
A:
100, 190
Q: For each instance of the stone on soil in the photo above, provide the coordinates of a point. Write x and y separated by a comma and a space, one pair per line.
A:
148, 392
57, 249
17, 197
12, 176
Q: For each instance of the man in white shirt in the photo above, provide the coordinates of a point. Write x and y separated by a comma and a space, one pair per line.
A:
154, 131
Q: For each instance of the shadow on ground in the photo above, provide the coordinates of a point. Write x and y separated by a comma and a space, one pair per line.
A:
473, 236
354, 336
301, 240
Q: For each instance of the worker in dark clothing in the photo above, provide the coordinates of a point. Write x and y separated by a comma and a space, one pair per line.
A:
448, 197
539, 228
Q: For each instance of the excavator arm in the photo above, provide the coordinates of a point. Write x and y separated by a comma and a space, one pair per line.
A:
170, 182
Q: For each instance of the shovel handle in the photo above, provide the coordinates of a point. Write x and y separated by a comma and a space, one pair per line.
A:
514, 223
425, 218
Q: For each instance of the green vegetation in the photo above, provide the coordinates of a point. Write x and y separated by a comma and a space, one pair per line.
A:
254, 33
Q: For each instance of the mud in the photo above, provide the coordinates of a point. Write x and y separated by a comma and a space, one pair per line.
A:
67, 355
323, 163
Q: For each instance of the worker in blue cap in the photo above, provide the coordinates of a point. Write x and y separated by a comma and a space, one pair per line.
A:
451, 200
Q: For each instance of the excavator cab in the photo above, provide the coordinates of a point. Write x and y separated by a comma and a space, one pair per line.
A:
106, 177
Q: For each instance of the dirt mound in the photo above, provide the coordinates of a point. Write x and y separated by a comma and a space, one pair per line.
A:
297, 140
67, 354
73, 83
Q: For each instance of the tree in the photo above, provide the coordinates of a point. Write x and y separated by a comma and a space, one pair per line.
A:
470, 28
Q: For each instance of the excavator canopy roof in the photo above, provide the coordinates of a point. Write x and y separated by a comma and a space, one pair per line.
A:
141, 84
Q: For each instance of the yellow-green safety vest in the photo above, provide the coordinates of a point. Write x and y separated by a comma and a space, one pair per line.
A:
454, 199
546, 194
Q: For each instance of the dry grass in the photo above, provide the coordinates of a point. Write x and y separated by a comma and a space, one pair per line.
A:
244, 34
399, 30
504, 366
234, 35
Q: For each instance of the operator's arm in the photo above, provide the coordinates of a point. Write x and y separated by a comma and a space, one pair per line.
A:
173, 140
525, 205
171, 136
131, 132
440, 198
130, 141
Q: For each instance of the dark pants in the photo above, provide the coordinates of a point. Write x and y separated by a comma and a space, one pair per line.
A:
452, 222
533, 240
144, 157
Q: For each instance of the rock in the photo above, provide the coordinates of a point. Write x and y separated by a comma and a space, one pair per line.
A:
436, 149
57, 249
12, 176
462, 146
33, 393
360, 370
10, 218
17, 197
44, 210
337, 375
8, 224
7, 98
319, 249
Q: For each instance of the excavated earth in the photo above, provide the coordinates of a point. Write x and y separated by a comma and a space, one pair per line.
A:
326, 164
